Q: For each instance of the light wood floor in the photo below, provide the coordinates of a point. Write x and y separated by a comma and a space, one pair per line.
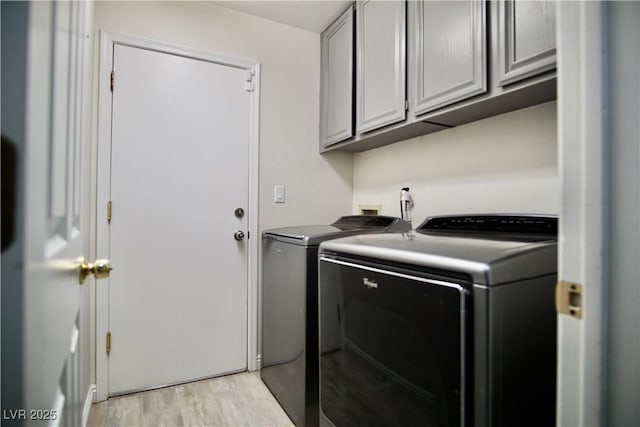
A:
234, 400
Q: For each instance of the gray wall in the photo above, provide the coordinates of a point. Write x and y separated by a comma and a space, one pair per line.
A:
14, 67
623, 330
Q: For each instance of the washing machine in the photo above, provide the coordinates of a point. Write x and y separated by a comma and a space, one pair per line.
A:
289, 351
452, 324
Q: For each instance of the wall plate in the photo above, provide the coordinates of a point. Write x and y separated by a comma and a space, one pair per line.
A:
369, 209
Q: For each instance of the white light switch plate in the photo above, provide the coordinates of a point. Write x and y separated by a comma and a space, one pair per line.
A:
278, 193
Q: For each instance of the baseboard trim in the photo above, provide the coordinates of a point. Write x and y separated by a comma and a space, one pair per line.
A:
87, 404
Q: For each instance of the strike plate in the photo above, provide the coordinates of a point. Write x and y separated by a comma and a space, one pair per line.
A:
569, 299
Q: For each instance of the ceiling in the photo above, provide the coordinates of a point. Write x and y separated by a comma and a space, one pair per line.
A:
310, 15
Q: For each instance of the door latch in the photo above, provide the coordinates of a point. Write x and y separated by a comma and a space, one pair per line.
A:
569, 299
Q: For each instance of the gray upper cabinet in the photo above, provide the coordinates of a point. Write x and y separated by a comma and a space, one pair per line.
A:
455, 61
450, 52
526, 39
381, 58
336, 84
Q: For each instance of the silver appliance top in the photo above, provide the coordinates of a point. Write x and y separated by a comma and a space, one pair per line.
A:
310, 235
493, 254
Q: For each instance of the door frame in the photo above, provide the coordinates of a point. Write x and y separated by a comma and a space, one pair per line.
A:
107, 41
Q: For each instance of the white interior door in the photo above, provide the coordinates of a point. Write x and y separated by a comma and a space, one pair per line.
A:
179, 170
55, 216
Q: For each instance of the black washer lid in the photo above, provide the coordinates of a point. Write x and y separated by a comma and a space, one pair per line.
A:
365, 221
493, 226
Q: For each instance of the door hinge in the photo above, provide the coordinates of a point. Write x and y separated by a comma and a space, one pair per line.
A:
406, 105
248, 80
108, 343
569, 299
112, 81
109, 205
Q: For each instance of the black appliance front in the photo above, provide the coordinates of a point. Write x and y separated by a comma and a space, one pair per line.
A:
393, 345
451, 325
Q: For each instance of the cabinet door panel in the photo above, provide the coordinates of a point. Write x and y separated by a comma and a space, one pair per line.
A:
526, 38
451, 56
381, 52
336, 100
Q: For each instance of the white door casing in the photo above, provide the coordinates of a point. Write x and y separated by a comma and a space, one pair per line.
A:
598, 105
177, 293
582, 217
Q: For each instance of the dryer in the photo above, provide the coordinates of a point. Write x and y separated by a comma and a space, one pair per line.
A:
290, 308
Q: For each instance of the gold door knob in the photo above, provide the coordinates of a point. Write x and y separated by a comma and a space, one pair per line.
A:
100, 268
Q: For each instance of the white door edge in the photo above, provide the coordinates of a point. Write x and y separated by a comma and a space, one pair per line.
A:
101, 312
